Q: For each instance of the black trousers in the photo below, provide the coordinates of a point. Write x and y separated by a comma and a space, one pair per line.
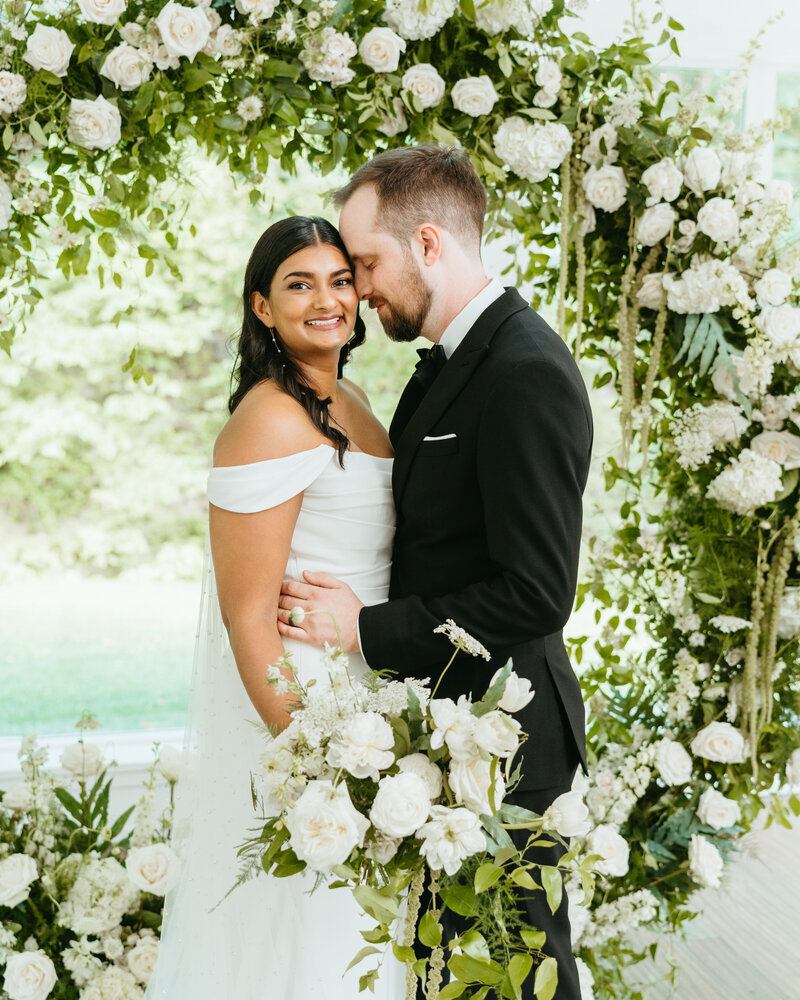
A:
555, 925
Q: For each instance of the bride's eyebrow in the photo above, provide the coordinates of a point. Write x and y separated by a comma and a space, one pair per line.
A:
310, 276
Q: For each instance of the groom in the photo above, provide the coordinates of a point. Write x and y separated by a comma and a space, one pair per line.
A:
492, 440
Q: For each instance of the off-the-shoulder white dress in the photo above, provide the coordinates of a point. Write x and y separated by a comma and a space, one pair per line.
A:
270, 939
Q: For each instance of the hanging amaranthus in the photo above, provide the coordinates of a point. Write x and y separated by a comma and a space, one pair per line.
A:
749, 674
436, 967
627, 340
656, 347
410, 929
566, 185
773, 593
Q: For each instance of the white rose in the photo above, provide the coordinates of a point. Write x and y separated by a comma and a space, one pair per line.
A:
655, 223
497, 733
49, 48
102, 11
18, 798
701, 169
705, 862
612, 848
454, 725
383, 848
325, 826
548, 75
474, 95
82, 760
605, 187
673, 763
380, 49
170, 763
184, 30
154, 868
717, 811
257, 10
470, 781
719, 741
425, 84
545, 98
364, 746
394, 124
567, 815
773, 287
719, 220
17, 872
142, 957
517, 693
793, 768
781, 446
604, 136
419, 764
663, 180
13, 92
30, 975
449, 837
401, 804
228, 41
651, 291
780, 324
126, 67
132, 33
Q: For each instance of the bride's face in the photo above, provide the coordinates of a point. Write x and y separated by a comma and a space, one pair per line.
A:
312, 302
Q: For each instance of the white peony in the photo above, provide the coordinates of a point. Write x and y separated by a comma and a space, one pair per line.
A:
612, 848
655, 223
126, 67
651, 291
82, 760
13, 92
749, 482
454, 725
516, 694
49, 48
780, 324
18, 798
363, 747
717, 811
142, 958
325, 826
471, 781
719, 741
449, 837
30, 975
605, 187
705, 862
663, 180
474, 95
423, 767
532, 151
184, 30
17, 872
425, 84
781, 446
702, 169
102, 11
788, 626
257, 10
401, 805
672, 762
170, 763
719, 220
497, 733
154, 868
793, 768
773, 287
380, 49
415, 21
567, 815
100, 896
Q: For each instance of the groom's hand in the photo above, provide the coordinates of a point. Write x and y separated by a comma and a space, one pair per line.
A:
334, 605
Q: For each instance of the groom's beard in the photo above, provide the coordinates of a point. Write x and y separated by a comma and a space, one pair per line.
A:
403, 325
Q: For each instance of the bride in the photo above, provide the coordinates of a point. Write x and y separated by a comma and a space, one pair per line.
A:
301, 480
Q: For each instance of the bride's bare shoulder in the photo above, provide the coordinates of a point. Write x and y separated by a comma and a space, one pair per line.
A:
267, 423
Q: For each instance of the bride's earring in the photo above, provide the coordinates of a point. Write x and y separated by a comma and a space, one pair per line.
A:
278, 350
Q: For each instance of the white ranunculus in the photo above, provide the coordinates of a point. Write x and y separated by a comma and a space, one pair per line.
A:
30, 975
750, 481
380, 49
719, 220
454, 725
717, 811
663, 180
567, 815
548, 75
423, 767
154, 868
471, 780
701, 169
142, 958
497, 733
49, 48
170, 763
364, 746
655, 223
401, 805
673, 763
425, 84
719, 741
102, 11
612, 848
184, 30
82, 760
651, 291
18, 797
17, 872
394, 124
705, 862
517, 693
605, 187
793, 768
325, 826
449, 837
773, 287
126, 67
782, 447
780, 324
13, 92
474, 95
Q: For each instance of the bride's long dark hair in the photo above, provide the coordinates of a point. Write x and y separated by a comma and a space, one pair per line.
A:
259, 355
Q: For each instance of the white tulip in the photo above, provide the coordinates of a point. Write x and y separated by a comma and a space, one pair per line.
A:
517, 692
567, 815
612, 848
705, 862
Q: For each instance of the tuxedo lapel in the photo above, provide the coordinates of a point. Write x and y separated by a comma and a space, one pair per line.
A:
449, 383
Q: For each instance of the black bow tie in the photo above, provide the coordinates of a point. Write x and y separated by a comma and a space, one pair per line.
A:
431, 361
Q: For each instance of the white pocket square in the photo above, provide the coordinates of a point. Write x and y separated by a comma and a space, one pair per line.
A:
439, 437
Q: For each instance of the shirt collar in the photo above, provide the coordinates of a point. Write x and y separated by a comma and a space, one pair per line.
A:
465, 320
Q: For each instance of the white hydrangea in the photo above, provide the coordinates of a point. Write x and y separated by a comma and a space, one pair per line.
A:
618, 917
706, 286
497, 16
99, 898
531, 150
113, 983
80, 959
703, 428
749, 482
413, 21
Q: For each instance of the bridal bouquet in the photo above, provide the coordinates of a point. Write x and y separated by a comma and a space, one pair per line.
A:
379, 786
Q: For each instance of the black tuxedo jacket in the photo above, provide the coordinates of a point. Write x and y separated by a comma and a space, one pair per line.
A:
489, 526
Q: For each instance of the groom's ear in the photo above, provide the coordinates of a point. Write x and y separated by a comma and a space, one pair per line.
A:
429, 239
260, 307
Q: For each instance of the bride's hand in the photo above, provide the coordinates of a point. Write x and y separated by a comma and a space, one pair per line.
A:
334, 605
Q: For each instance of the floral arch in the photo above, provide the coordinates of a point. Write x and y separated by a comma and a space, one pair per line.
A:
665, 255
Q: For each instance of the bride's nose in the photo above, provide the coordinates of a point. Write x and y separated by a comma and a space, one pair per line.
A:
324, 297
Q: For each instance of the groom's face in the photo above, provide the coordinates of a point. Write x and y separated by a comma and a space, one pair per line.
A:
386, 273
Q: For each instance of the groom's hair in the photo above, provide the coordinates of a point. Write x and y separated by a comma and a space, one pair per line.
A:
417, 184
